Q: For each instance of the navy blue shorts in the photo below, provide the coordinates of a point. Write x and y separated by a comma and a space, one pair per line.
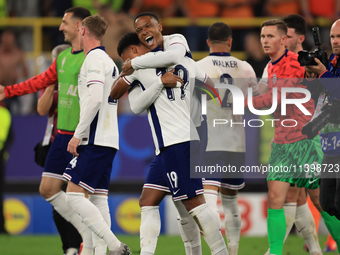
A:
170, 171
58, 157
92, 168
225, 158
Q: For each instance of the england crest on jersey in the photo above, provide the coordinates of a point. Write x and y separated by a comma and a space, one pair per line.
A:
274, 78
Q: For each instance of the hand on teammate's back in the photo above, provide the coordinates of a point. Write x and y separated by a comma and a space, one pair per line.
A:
127, 68
170, 80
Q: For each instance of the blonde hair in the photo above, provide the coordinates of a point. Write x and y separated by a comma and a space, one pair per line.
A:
96, 24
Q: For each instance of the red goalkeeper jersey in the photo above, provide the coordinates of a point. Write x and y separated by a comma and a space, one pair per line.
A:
286, 72
36, 83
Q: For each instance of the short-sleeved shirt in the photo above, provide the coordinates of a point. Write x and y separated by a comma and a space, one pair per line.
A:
224, 68
282, 73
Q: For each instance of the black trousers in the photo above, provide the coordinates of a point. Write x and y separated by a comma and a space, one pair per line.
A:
330, 185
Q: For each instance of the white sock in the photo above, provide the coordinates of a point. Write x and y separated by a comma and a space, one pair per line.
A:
290, 213
101, 203
59, 203
149, 229
92, 218
211, 200
189, 230
210, 228
305, 224
232, 222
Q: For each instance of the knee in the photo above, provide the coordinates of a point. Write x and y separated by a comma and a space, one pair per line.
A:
275, 201
142, 201
49, 189
45, 191
146, 201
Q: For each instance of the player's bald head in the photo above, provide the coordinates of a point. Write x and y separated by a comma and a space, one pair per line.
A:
336, 24
280, 25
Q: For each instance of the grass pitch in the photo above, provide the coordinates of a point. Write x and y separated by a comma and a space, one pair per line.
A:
167, 245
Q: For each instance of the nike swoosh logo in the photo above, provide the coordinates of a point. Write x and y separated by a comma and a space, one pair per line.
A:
175, 192
184, 223
301, 229
310, 182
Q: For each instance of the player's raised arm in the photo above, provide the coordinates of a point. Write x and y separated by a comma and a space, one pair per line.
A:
34, 84
167, 58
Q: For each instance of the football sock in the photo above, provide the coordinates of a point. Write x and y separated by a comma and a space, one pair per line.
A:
101, 203
59, 203
87, 242
305, 225
333, 226
290, 213
232, 222
185, 240
92, 218
316, 214
69, 235
149, 229
189, 230
276, 225
211, 200
210, 228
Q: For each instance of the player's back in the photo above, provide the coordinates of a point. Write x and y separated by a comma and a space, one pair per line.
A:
226, 69
169, 115
98, 67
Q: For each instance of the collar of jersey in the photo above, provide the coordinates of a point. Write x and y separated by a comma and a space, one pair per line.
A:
277, 61
219, 54
156, 49
99, 47
76, 51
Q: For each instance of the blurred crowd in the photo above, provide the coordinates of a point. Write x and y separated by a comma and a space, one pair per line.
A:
15, 41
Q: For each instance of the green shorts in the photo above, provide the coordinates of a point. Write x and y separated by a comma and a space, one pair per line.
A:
296, 163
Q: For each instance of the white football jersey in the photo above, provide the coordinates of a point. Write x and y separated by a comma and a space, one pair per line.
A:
195, 107
169, 115
99, 68
223, 68
169, 40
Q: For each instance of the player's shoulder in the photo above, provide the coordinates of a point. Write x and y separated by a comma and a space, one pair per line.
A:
291, 56
174, 39
174, 36
244, 64
292, 61
98, 54
64, 53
